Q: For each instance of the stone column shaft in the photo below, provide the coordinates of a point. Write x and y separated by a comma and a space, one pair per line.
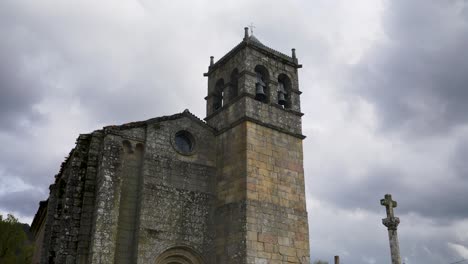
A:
394, 246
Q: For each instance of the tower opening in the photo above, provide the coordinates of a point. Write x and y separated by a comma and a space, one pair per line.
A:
218, 94
234, 84
284, 91
261, 84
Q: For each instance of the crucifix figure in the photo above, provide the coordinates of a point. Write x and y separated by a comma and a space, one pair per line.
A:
391, 222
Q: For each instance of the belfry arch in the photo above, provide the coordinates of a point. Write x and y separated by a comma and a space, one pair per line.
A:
179, 255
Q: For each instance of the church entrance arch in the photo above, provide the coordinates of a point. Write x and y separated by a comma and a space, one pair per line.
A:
179, 255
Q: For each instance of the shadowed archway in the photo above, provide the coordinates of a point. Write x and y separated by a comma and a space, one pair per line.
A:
179, 255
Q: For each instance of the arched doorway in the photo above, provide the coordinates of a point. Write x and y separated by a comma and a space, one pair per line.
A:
179, 255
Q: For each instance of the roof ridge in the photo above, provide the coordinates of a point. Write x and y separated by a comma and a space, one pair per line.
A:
272, 50
135, 124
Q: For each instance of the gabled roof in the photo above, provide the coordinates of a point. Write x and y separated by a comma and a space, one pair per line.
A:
254, 39
185, 113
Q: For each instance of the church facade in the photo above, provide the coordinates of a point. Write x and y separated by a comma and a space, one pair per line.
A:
176, 189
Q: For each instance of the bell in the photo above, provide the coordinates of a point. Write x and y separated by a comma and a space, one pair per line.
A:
281, 98
259, 92
281, 94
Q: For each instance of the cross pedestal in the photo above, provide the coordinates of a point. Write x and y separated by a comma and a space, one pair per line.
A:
391, 222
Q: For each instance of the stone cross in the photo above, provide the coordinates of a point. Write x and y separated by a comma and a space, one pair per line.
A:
391, 222
251, 26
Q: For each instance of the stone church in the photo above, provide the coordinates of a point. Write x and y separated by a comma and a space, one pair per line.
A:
181, 190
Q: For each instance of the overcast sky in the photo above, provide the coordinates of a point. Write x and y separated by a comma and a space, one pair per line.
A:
385, 97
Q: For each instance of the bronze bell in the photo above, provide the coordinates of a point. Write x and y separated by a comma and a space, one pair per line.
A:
281, 94
281, 98
259, 92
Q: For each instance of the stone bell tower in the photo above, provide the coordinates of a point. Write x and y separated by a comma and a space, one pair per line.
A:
254, 103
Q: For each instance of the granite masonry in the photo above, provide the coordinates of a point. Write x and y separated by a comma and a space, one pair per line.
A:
176, 189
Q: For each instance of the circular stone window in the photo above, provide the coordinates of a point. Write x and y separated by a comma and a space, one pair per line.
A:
184, 142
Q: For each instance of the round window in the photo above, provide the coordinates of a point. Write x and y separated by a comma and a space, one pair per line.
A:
184, 142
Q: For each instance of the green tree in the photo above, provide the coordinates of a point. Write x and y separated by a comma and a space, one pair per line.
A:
14, 246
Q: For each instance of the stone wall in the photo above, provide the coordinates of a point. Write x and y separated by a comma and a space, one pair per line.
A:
126, 241
151, 197
126, 194
37, 230
230, 217
261, 211
69, 211
104, 231
247, 108
178, 191
38, 244
277, 229
88, 197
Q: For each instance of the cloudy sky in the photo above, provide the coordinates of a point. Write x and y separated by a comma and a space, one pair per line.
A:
385, 97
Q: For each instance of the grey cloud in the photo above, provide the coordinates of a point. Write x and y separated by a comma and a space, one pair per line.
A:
357, 239
459, 160
443, 201
37, 175
23, 202
118, 72
417, 79
18, 90
39, 58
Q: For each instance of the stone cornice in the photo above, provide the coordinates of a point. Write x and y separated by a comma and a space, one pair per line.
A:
242, 95
258, 122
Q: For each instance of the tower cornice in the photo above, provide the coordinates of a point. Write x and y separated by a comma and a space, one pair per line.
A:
299, 114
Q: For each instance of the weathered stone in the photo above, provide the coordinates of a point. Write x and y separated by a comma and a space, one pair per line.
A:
176, 189
391, 222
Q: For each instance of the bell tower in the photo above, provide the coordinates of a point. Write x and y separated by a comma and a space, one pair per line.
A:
253, 102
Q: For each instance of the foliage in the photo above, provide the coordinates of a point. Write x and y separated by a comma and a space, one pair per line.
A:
14, 246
